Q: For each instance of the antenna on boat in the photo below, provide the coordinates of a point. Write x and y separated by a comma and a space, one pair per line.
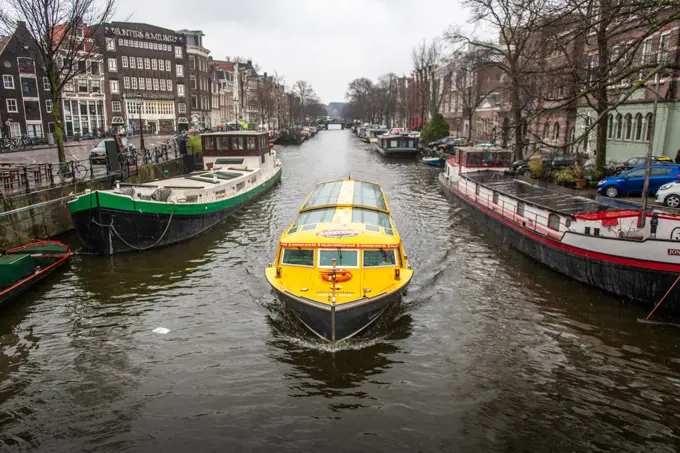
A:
349, 176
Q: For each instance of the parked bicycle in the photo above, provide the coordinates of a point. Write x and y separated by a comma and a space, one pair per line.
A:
72, 171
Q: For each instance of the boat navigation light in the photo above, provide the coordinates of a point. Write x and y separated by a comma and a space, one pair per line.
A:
397, 274
278, 272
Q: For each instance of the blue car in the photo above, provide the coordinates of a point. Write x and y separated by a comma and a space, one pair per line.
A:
631, 181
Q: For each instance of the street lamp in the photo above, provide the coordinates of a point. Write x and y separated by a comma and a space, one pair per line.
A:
140, 104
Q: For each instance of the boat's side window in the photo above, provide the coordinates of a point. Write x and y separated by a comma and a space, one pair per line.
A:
477, 189
394, 143
343, 258
520, 208
297, 257
376, 258
209, 142
237, 143
554, 222
223, 143
495, 197
251, 143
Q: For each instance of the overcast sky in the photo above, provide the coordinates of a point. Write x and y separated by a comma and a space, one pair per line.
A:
326, 42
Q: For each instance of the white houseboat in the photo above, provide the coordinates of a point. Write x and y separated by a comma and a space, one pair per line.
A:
594, 243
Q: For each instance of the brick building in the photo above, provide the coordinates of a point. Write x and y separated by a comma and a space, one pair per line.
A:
24, 102
146, 64
199, 73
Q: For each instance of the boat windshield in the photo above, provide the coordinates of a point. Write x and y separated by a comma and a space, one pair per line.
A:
298, 257
377, 258
343, 258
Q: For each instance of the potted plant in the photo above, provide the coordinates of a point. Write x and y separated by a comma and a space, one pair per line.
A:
579, 178
565, 177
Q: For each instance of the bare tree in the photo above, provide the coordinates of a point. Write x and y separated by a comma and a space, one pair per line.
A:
305, 93
426, 60
61, 37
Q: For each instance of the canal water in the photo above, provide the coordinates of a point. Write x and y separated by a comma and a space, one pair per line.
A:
488, 351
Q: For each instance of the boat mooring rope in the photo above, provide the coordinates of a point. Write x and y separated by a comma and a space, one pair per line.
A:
113, 228
663, 298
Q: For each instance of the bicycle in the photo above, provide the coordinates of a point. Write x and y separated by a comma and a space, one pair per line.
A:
72, 171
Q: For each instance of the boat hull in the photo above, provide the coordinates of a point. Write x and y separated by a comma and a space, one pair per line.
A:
350, 319
105, 230
406, 153
12, 293
644, 285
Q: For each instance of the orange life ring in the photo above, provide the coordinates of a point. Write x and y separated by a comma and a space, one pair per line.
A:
340, 276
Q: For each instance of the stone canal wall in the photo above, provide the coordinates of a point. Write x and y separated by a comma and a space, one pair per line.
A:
44, 214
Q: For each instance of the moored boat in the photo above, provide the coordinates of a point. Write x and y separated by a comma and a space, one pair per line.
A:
240, 166
434, 161
399, 145
341, 263
23, 267
597, 244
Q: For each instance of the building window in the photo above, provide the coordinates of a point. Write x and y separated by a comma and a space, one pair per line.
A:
610, 126
649, 119
46, 84
32, 110
113, 67
48, 106
95, 68
146, 44
194, 101
148, 84
192, 82
168, 67
180, 70
647, 55
154, 64
134, 83
141, 83
638, 126
155, 84
115, 87
665, 48
12, 106
140, 63
115, 106
554, 222
628, 126
29, 87
182, 107
96, 86
169, 85
110, 44
8, 81
162, 84
124, 61
161, 65
126, 83
192, 63
178, 52
619, 126
147, 63
133, 63
82, 85
556, 131
180, 89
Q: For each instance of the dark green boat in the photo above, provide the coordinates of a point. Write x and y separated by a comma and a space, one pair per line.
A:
22, 267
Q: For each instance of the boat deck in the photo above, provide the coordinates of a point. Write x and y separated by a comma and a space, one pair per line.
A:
561, 202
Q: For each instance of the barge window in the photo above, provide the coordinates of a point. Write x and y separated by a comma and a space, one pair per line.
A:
377, 258
520, 208
298, 257
495, 197
554, 222
223, 144
343, 258
237, 143
251, 143
209, 142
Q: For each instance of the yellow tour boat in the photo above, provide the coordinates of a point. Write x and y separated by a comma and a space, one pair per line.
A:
341, 263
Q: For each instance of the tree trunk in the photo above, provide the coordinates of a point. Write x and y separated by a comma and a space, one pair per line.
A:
56, 116
516, 109
601, 131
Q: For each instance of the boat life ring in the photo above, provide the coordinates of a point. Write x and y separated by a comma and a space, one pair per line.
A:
340, 276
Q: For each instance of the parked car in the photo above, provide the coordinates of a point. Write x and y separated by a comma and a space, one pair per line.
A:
98, 153
436, 143
639, 161
631, 181
669, 194
449, 142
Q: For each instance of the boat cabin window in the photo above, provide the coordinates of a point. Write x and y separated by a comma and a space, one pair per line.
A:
251, 143
343, 258
495, 197
488, 159
298, 257
370, 217
316, 216
377, 258
554, 222
520, 208
210, 142
223, 143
